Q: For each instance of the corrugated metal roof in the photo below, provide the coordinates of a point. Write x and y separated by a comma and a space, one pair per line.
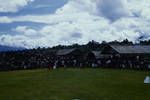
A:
64, 52
138, 49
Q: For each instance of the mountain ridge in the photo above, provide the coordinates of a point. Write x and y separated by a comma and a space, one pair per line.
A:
4, 48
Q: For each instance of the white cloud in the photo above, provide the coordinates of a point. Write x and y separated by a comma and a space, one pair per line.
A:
76, 6
26, 31
5, 19
13, 5
80, 21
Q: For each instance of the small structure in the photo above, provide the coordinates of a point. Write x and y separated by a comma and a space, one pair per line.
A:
147, 80
93, 55
96, 58
132, 56
127, 49
69, 57
92, 58
97, 54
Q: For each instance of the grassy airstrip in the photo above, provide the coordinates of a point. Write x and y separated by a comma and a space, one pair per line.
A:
71, 84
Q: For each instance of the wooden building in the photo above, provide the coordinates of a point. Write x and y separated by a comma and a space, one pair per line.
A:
93, 55
132, 56
92, 58
69, 57
96, 58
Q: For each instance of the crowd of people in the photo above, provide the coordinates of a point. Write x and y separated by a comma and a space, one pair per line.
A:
32, 59
28, 59
111, 62
127, 62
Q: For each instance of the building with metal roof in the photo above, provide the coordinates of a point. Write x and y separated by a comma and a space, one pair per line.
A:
126, 49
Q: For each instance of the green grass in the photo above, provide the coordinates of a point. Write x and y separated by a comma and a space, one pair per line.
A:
69, 84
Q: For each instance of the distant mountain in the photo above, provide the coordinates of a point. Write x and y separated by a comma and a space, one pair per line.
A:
9, 48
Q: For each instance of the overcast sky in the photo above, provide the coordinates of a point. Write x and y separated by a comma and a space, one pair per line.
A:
45, 23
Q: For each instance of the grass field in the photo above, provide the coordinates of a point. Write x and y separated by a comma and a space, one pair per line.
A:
70, 84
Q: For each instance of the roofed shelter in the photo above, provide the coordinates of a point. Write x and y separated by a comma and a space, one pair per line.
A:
93, 55
133, 55
68, 53
127, 50
69, 56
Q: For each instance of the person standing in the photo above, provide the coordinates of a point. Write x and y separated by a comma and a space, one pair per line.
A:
55, 64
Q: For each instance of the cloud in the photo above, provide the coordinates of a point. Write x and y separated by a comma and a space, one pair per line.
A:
113, 10
75, 8
105, 8
5, 19
26, 31
13, 5
80, 21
